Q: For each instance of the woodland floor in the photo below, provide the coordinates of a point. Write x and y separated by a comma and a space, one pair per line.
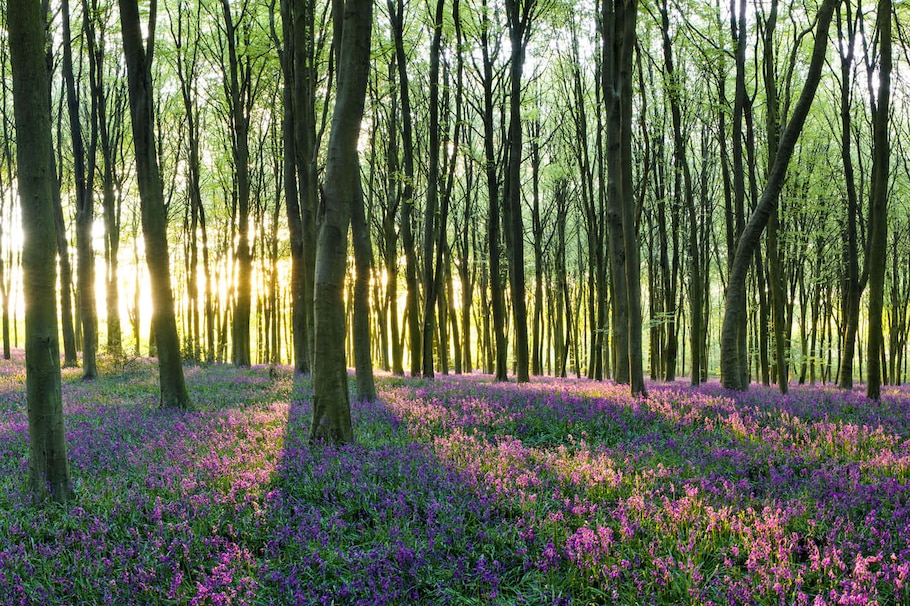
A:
460, 491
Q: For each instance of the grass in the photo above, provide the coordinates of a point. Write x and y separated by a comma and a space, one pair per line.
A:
460, 491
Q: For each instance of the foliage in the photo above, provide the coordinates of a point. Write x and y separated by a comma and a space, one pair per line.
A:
461, 491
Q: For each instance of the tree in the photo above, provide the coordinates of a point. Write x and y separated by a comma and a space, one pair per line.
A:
48, 468
430, 285
619, 18
878, 210
151, 197
84, 173
396, 16
852, 281
241, 80
110, 104
488, 57
519, 16
734, 374
363, 361
342, 190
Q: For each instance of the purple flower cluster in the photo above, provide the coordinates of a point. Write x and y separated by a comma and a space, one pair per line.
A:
460, 491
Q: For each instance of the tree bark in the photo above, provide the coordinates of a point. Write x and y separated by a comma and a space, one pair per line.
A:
619, 21
430, 211
682, 167
363, 361
70, 359
238, 87
734, 367
878, 209
775, 278
110, 138
154, 214
331, 401
396, 15
493, 216
520, 14
83, 173
48, 466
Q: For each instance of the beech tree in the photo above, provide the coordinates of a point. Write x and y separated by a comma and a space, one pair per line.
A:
48, 467
734, 373
878, 211
151, 196
618, 20
84, 174
342, 190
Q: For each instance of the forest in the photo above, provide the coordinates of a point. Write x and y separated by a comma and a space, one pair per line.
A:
481, 301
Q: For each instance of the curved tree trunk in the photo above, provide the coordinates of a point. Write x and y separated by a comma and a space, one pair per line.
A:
732, 361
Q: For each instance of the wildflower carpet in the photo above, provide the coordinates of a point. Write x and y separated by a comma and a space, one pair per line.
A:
461, 491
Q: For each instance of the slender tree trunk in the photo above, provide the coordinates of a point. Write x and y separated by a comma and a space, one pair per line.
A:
48, 467
430, 212
734, 369
775, 279
154, 214
493, 215
878, 209
520, 14
619, 21
292, 194
110, 135
306, 147
363, 361
70, 359
617, 251
852, 281
682, 167
396, 13
83, 173
237, 85
331, 403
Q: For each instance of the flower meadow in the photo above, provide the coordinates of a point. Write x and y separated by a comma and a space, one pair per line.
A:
460, 491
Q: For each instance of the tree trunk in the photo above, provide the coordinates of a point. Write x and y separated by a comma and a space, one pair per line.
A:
363, 361
682, 167
619, 21
48, 468
430, 211
493, 216
110, 139
520, 14
331, 403
878, 208
237, 85
154, 214
617, 251
775, 279
396, 15
734, 368
83, 173
70, 359
292, 194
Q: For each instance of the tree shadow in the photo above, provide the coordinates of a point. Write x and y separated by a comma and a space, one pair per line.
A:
383, 521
